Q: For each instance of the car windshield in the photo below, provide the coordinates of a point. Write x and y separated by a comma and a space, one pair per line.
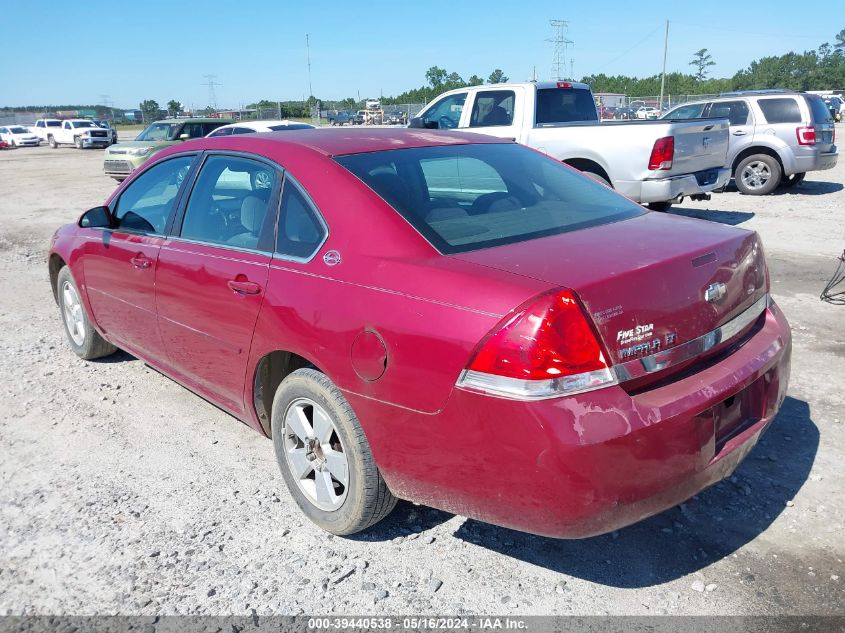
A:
83, 124
18, 130
466, 197
158, 132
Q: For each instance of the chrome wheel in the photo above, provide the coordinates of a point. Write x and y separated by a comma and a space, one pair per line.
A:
314, 454
73, 314
756, 174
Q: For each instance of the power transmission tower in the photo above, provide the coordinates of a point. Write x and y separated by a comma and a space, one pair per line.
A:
561, 42
104, 101
212, 94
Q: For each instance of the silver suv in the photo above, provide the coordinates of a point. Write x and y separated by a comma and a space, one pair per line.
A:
777, 136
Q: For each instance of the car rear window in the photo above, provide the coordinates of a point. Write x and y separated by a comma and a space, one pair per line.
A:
467, 197
781, 110
819, 110
564, 105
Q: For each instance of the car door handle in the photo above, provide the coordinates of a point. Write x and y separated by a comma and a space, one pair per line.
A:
244, 287
141, 261
739, 133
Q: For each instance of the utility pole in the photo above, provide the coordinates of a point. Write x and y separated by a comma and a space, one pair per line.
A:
212, 94
561, 43
663, 76
308, 54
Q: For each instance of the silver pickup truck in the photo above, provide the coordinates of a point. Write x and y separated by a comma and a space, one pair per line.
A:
652, 162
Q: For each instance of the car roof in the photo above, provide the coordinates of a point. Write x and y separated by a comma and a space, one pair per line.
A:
340, 142
196, 120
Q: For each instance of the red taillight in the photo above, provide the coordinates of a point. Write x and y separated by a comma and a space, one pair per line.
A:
549, 339
663, 153
564, 84
806, 135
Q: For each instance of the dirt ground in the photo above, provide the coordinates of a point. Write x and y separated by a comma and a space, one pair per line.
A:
123, 493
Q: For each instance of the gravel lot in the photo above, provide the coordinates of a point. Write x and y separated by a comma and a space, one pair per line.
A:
123, 493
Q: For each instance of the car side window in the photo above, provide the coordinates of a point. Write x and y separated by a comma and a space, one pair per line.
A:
207, 128
242, 130
781, 110
193, 130
66, 125
300, 232
146, 204
223, 131
446, 113
735, 111
492, 107
230, 204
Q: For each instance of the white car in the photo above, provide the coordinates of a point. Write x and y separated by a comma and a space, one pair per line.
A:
647, 112
251, 127
19, 136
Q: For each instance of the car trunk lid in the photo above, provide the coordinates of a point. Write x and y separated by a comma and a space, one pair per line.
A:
649, 283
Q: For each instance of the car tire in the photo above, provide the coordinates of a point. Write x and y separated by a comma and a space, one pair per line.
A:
78, 142
757, 175
52, 142
664, 205
333, 478
84, 340
793, 180
12, 144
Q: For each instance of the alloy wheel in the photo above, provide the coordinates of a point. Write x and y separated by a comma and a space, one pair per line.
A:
73, 314
756, 174
314, 454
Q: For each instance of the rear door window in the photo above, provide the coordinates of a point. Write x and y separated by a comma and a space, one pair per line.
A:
565, 105
230, 204
492, 108
300, 231
781, 110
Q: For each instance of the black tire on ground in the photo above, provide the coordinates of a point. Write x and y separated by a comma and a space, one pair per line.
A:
758, 175
794, 179
78, 142
598, 178
659, 206
12, 144
92, 344
52, 142
368, 499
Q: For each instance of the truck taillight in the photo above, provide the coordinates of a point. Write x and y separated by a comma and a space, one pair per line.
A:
806, 135
546, 349
564, 84
662, 154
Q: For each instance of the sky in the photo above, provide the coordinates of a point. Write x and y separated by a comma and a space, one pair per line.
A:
163, 50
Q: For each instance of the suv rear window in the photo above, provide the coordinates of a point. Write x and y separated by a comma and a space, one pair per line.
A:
563, 105
781, 110
466, 197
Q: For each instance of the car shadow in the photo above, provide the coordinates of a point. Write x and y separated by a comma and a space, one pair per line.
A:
118, 357
687, 538
733, 218
408, 520
809, 188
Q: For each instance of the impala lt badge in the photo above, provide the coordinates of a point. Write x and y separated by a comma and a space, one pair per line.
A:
715, 292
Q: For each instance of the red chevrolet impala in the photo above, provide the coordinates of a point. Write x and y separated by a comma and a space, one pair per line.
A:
447, 318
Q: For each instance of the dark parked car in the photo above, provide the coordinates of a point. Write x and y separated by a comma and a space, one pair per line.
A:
339, 118
103, 123
449, 318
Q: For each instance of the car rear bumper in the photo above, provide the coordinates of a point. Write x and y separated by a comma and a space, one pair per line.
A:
817, 161
666, 189
591, 463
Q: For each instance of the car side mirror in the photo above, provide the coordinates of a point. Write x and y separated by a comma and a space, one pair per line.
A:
184, 137
416, 122
96, 218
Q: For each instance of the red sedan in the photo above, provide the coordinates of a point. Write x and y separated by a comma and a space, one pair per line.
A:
447, 318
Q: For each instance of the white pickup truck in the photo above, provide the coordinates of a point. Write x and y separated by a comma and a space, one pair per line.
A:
652, 162
80, 132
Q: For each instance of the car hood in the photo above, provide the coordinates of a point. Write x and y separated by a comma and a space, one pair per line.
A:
125, 146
